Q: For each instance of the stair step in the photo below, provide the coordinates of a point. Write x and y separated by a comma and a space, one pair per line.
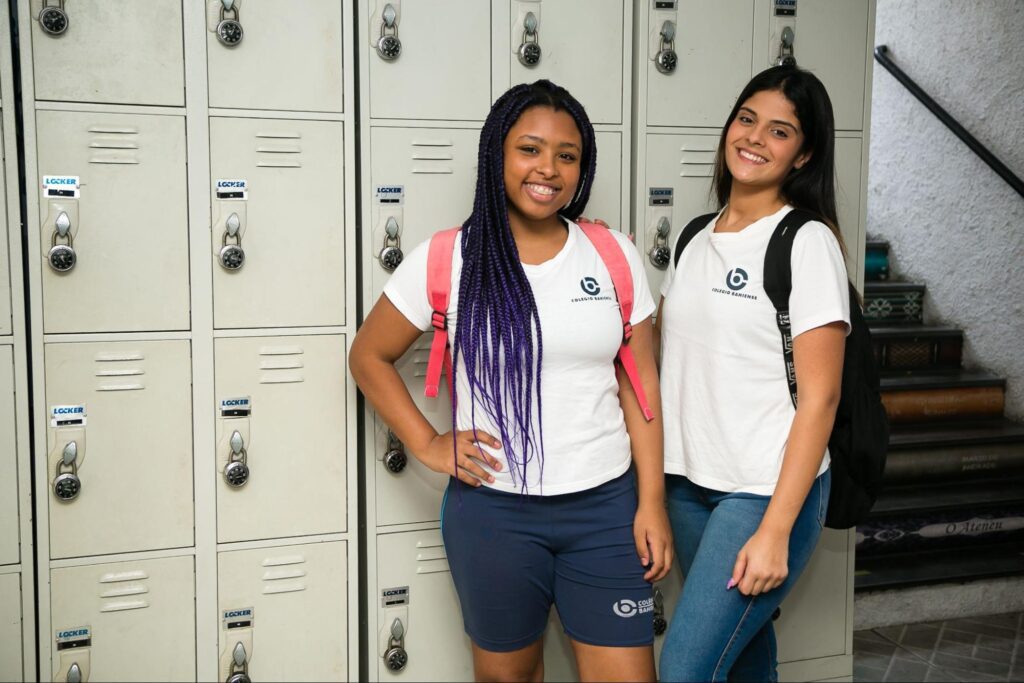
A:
967, 433
919, 568
956, 395
952, 495
905, 348
876, 260
893, 303
957, 451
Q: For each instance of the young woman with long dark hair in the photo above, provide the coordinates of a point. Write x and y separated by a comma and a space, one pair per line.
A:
543, 505
748, 478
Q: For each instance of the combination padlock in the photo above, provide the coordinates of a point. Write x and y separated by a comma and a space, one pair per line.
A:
787, 57
391, 255
395, 658
395, 459
666, 60
62, 257
660, 254
236, 472
239, 666
53, 20
389, 47
232, 256
660, 623
229, 31
67, 485
529, 49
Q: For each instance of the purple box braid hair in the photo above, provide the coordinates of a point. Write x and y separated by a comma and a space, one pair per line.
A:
497, 317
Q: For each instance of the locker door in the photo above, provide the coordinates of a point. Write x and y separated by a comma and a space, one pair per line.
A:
10, 628
437, 646
134, 452
140, 616
8, 462
606, 193
848, 198
289, 57
5, 265
444, 70
683, 164
292, 224
830, 39
98, 57
297, 626
581, 44
130, 224
436, 171
294, 437
713, 43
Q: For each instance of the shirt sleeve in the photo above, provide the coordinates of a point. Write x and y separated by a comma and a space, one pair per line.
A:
643, 302
407, 287
820, 293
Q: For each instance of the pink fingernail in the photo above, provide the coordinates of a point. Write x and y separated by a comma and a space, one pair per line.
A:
732, 584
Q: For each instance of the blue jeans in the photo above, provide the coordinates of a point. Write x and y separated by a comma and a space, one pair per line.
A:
718, 634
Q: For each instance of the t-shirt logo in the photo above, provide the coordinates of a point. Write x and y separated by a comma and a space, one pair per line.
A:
736, 279
589, 286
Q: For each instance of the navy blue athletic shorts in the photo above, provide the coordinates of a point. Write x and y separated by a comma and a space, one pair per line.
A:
513, 555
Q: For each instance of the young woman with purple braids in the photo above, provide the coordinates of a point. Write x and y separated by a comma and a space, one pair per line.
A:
557, 489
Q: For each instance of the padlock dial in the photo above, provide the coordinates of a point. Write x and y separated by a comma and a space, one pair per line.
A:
67, 487
236, 473
660, 625
53, 21
229, 32
529, 54
389, 48
232, 257
396, 658
659, 256
390, 258
666, 61
62, 258
395, 460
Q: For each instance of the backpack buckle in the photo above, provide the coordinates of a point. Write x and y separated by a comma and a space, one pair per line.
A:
439, 320
627, 332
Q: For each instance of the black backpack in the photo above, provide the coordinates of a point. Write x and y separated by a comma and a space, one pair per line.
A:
860, 435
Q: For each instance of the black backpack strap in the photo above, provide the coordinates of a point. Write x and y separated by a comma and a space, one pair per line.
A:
778, 283
689, 232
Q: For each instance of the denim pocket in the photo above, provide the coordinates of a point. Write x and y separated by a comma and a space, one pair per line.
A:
821, 486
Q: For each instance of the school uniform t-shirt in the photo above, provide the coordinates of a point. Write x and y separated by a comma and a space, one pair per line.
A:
584, 432
725, 397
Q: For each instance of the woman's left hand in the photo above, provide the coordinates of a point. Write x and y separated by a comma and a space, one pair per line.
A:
762, 564
653, 537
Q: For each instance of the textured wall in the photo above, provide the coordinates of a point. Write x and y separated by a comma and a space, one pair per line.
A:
952, 223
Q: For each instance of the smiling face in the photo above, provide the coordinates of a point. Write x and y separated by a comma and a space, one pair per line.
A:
762, 144
542, 165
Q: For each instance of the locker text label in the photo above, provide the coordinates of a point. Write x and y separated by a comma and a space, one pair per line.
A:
236, 407
64, 186
232, 189
391, 195
67, 416
399, 595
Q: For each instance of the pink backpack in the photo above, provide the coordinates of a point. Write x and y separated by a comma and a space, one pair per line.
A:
439, 283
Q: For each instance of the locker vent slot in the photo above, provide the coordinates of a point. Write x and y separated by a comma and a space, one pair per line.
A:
113, 144
128, 372
114, 150
431, 161
430, 554
114, 357
124, 605
281, 370
284, 560
122, 592
282, 351
115, 577
276, 589
281, 364
111, 595
697, 161
280, 574
114, 130
421, 156
121, 387
270, 155
432, 566
280, 580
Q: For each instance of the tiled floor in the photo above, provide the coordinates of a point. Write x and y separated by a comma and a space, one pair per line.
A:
976, 649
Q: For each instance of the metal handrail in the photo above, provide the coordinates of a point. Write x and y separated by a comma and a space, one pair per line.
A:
882, 55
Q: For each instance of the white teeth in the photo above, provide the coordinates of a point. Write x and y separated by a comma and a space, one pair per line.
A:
752, 157
541, 189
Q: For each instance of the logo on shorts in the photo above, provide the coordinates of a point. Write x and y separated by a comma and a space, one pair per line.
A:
627, 608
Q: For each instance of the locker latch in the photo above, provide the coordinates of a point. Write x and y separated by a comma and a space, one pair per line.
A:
236, 472
75, 674
232, 256
239, 665
666, 60
529, 49
660, 623
395, 458
229, 31
660, 254
62, 257
389, 47
53, 20
396, 657
787, 57
391, 255
67, 485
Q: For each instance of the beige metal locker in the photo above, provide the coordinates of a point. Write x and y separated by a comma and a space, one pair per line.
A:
848, 199
291, 225
289, 57
5, 269
288, 608
444, 69
606, 193
294, 436
423, 178
128, 223
138, 616
110, 52
9, 484
10, 628
581, 49
713, 45
133, 452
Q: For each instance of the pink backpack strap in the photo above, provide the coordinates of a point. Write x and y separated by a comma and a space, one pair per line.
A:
622, 280
439, 286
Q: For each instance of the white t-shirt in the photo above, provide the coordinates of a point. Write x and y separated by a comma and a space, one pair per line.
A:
724, 392
585, 438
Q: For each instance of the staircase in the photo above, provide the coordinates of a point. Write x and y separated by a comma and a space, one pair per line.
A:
953, 504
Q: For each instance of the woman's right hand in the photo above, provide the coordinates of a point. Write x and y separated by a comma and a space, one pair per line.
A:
439, 456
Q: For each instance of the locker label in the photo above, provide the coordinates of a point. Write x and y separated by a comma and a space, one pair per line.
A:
67, 416
659, 196
785, 8
65, 186
238, 618
390, 195
232, 189
391, 597
236, 407
74, 637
